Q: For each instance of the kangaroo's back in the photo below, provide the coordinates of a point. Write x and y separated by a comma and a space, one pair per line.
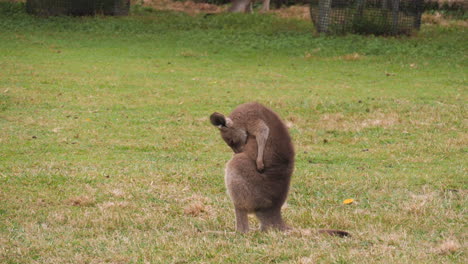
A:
279, 150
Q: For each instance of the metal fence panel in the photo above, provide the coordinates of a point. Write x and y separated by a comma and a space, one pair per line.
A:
379, 17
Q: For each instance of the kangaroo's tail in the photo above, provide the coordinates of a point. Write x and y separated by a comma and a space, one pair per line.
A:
334, 232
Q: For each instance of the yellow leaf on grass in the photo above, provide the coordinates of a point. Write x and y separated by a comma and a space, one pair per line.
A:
348, 201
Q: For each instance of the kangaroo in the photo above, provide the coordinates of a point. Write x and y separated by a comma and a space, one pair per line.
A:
246, 6
259, 174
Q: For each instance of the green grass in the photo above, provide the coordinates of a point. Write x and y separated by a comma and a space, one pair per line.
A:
107, 154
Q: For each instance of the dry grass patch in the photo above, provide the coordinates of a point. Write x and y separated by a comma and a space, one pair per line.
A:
82, 200
107, 205
293, 121
340, 121
195, 208
448, 247
458, 142
419, 204
118, 193
352, 57
306, 260
197, 205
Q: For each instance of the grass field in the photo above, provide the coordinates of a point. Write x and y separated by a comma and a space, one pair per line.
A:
107, 154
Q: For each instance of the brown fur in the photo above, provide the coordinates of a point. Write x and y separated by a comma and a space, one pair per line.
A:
258, 175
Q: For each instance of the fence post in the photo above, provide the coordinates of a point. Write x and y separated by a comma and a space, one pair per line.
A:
418, 12
395, 15
324, 15
360, 8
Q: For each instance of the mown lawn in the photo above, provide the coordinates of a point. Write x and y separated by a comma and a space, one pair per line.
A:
107, 154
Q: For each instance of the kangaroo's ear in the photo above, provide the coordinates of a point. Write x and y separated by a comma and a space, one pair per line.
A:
218, 120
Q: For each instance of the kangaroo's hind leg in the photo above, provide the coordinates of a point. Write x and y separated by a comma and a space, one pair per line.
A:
242, 221
271, 219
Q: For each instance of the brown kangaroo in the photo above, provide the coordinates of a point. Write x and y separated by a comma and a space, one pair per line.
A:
258, 175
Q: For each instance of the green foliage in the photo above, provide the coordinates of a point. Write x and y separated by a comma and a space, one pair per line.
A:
9, 8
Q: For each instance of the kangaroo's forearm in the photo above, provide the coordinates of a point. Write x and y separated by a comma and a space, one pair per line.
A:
261, 137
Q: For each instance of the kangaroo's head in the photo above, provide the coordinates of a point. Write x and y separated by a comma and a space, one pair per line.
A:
235, 137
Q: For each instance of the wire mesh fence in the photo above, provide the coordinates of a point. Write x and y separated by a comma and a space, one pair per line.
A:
78, 7
378, 17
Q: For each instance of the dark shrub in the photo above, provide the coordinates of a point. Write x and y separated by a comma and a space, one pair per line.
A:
78, 7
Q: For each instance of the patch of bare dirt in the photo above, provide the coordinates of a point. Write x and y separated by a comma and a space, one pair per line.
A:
188, 7
438, 19
296, 11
